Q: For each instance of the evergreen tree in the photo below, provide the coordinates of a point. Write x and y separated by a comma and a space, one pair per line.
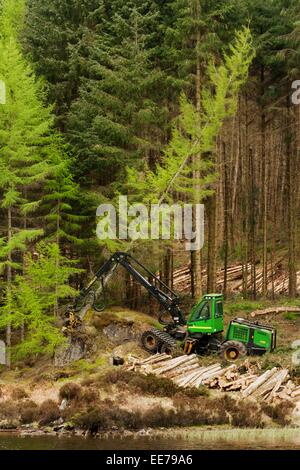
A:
31, 300
27, 144
53, 29
195, 133
116, 121
61, 194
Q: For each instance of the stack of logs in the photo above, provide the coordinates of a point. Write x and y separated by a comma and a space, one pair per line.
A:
186, 371
277, 278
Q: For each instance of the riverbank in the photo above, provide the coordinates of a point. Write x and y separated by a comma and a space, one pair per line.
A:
178, 439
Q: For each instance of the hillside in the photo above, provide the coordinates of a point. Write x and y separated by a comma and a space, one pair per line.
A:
92, 395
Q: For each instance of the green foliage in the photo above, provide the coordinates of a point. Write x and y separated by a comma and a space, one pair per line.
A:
61, 195
195, 133
31, 299
25, 135
17, 242
119, 109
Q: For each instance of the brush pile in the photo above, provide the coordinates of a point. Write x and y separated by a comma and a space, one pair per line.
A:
186, 371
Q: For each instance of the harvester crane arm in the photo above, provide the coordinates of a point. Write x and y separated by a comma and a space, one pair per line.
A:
166, 297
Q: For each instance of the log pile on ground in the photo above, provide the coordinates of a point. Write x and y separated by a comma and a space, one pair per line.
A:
240, 277
274, 311
271, 386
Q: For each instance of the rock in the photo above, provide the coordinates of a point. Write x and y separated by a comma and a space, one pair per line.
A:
116, 360
144, 432
69, 427
9, 424
119, 333
75, 350
63, 405
58, 428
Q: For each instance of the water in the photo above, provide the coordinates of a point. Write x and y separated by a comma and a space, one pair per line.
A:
186, 440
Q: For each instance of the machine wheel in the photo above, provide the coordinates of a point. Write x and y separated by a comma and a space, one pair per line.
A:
167, 349
150, 342
233, 350
173, 351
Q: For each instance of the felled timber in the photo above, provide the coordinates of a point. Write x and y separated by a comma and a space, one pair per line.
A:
187, 371
274, 310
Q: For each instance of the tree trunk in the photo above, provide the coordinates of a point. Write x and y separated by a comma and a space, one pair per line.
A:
212, 247
291, 207
252, 224
264, 187
9, 286
57, 259
196, 258
226, 220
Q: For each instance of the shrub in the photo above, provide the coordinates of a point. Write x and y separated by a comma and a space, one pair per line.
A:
193, 392
9, 410
280, 413
29, 412
87, 382
70, 391
48, 412
18, 394
94, 420
147, 384
90, 396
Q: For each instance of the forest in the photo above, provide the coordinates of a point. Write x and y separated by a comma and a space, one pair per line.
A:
164, 101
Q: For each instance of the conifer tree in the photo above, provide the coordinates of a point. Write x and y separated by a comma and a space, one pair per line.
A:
117, 119
195, 133
52, 31
30, 301
26, 141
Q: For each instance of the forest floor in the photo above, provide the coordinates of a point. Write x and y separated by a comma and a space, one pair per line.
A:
93, 396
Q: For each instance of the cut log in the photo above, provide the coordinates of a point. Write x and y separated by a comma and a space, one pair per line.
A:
275, 381
274, 310
199, 373
183, 381
261, 380
240, 381
206, 375
282, 377
183, 369
295, 393
156, 359
220, 373
173, 364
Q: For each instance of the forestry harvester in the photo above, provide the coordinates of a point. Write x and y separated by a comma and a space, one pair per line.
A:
201, 333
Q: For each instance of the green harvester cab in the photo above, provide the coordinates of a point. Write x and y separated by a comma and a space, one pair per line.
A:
206, 324
207, 316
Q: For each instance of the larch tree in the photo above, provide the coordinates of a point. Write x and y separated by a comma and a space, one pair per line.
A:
196, 132
26, 144
32, 298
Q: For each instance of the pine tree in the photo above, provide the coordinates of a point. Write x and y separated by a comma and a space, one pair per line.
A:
26, 143
61, 194
118, 117
196, 133
52, 31
31, 300
198, 29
